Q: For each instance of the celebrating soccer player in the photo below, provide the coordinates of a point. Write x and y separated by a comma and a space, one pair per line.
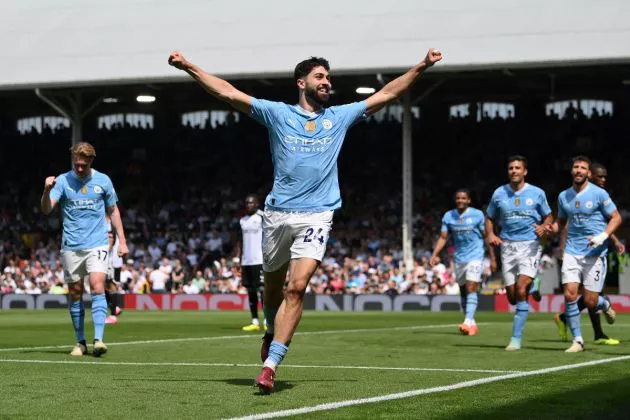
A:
84, 195
592, 217
305, 141
522, 213
466, 226
599, 174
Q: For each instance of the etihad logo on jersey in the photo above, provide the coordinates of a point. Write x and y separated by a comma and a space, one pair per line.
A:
519, 214
82, 205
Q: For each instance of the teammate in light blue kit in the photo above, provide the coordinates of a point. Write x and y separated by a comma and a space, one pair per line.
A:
465, 225
84, 195
522, 213
592, 218
305, 141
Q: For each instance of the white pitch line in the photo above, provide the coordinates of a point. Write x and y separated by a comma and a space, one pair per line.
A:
249, 365
232, 337
425, 391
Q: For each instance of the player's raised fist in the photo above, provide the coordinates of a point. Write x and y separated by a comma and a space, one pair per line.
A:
177, 60
49, 183
433, 56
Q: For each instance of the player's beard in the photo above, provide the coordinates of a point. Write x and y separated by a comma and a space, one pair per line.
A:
314, 95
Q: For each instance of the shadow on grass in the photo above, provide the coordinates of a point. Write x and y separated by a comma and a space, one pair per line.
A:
502, 347
601, 400
49, 351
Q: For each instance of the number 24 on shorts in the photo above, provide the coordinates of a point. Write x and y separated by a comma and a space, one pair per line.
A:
310, 235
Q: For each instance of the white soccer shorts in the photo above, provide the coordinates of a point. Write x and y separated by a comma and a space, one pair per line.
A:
590, 271
78, 264
469, 271
520, 258
290, 235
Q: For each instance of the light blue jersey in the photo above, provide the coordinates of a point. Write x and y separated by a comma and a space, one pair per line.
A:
517, 211
83, 204
466, 231
587, 213
304, 150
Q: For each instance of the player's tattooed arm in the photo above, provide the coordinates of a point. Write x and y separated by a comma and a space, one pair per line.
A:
217, 87
394, 89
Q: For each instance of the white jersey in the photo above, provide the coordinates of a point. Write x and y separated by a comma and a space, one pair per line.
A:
251, 226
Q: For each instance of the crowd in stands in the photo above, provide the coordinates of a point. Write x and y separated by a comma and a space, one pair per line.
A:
181, 192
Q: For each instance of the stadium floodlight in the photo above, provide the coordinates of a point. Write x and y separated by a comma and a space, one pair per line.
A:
110, 100
365, 90
145, 99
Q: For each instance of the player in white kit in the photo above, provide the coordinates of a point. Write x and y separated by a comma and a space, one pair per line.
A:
251, 257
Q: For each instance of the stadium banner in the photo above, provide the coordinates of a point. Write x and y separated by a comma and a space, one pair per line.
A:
555, 303
386, 303
226, 302
339, 303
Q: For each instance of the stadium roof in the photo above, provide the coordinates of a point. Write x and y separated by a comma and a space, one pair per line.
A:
65, 43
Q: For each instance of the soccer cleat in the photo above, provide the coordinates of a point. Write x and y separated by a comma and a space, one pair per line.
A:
563, 330
99, 348
515, 345
610, 313
264, 349
463, 328
78, 350
264, 381
576, 347
117, 311
251, 327
473, 329
535, 290
607, 341
112, 319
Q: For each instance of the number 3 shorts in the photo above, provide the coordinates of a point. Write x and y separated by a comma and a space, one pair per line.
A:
78, 264
290, 235
590, 271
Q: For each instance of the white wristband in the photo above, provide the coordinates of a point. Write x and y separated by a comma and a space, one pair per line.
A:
598, 240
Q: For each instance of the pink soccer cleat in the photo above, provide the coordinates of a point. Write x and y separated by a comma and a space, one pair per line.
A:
112, 319
264, 381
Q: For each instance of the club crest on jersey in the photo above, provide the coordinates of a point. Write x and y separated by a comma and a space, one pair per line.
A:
327, 124
84, 189
98, 189
517, 202
589, 204
310, 126
529, 202
577, 204
469, 221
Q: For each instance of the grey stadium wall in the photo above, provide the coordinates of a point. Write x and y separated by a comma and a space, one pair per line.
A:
48, 43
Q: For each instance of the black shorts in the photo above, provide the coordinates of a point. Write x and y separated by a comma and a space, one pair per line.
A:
113, 277
251, 275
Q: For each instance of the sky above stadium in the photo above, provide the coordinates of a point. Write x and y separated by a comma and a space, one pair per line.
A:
88, 42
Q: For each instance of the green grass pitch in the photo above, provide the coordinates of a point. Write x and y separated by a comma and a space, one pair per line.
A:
172, 365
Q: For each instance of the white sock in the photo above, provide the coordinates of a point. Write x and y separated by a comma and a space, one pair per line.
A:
579, 339
255, 321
